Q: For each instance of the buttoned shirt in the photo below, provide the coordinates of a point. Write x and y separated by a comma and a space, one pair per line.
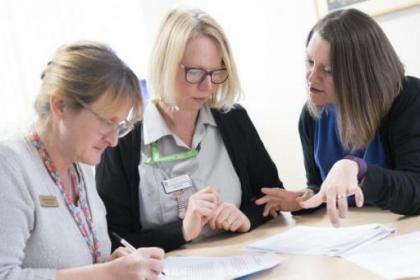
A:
211, 167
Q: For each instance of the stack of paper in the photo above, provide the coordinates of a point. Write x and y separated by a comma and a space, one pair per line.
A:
305, 240
203, 268
396, 257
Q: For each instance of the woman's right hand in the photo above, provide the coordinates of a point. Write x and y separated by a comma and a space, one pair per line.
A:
340, 183
118, 253
199, 209
144, 263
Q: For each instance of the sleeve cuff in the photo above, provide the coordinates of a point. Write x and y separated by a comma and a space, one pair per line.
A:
361, 163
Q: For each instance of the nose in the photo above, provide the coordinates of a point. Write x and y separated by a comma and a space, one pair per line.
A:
111, 138
206, 84
313, 74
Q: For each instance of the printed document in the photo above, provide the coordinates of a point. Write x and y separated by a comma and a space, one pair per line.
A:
329, 241
392, 258
217, 268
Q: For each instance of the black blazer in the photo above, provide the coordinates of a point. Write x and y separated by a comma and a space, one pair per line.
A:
117, 180
397, 188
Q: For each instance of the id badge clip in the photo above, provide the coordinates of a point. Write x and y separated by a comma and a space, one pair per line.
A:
177, 184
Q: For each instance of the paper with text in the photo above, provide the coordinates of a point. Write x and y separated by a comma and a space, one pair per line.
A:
306, 240
393, 258
217, 268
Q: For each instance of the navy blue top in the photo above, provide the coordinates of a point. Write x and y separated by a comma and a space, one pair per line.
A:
328, 147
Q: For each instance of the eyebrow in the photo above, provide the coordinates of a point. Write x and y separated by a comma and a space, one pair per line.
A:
308, 57
204, 68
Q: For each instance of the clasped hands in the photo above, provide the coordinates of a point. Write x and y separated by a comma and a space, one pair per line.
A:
204, 208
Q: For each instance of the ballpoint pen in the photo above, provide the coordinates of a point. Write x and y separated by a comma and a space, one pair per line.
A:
127, 245
124, 242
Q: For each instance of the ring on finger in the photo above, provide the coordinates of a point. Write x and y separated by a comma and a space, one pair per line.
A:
341, 196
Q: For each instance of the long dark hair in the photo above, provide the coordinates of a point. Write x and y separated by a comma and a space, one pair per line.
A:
367, 73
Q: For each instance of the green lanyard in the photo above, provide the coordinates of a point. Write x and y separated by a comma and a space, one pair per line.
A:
156, 157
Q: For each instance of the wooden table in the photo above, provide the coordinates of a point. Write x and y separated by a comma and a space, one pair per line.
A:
303, 267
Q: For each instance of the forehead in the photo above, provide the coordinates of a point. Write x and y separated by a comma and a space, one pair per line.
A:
202, 51
318, 49
111, 106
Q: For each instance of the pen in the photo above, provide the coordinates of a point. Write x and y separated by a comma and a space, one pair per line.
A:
127, 245
124, 242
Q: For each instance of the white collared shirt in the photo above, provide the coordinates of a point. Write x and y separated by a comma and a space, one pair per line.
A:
211, 167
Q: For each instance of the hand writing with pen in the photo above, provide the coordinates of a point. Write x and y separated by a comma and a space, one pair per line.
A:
130, 263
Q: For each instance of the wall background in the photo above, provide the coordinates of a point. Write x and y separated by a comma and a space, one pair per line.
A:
267, 38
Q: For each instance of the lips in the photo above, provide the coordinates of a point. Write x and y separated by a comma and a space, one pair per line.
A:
315, 90
99, 149
200, 99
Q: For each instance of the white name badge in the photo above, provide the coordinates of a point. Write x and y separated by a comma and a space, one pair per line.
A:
177, 183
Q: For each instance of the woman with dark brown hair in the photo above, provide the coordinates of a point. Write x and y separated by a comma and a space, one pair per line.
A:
360, 140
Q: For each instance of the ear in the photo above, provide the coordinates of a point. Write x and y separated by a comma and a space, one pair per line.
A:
57, 106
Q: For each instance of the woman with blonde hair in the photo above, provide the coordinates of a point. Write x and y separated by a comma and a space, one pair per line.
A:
195, 164
52, 221
359, 133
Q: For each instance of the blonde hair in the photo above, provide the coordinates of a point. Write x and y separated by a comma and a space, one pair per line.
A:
87, 71
178, 28
367, 74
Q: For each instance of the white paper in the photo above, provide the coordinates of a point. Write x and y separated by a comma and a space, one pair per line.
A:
306, 240
215, 268
392, 258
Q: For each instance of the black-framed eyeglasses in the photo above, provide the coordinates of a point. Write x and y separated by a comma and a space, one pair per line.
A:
108, 126
195, 75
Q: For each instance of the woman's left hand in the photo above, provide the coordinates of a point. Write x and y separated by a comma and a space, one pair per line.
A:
118, 253
277, 199
340, 183
228, 217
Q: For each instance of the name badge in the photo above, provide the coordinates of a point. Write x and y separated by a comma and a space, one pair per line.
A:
48, 201
177, 183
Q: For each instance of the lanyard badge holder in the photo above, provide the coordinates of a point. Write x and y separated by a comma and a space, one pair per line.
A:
178, 184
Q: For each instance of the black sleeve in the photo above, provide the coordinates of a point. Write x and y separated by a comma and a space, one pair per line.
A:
259, 168
313, 176
398, 188
263, 173
117, 183
306, 133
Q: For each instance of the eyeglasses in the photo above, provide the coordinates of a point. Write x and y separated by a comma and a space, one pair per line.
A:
195, 75
107, 126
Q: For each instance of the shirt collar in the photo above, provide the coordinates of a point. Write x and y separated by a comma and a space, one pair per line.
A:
205, 117
154, 126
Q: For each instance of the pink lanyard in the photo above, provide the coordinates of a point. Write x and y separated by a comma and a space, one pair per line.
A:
88, 231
